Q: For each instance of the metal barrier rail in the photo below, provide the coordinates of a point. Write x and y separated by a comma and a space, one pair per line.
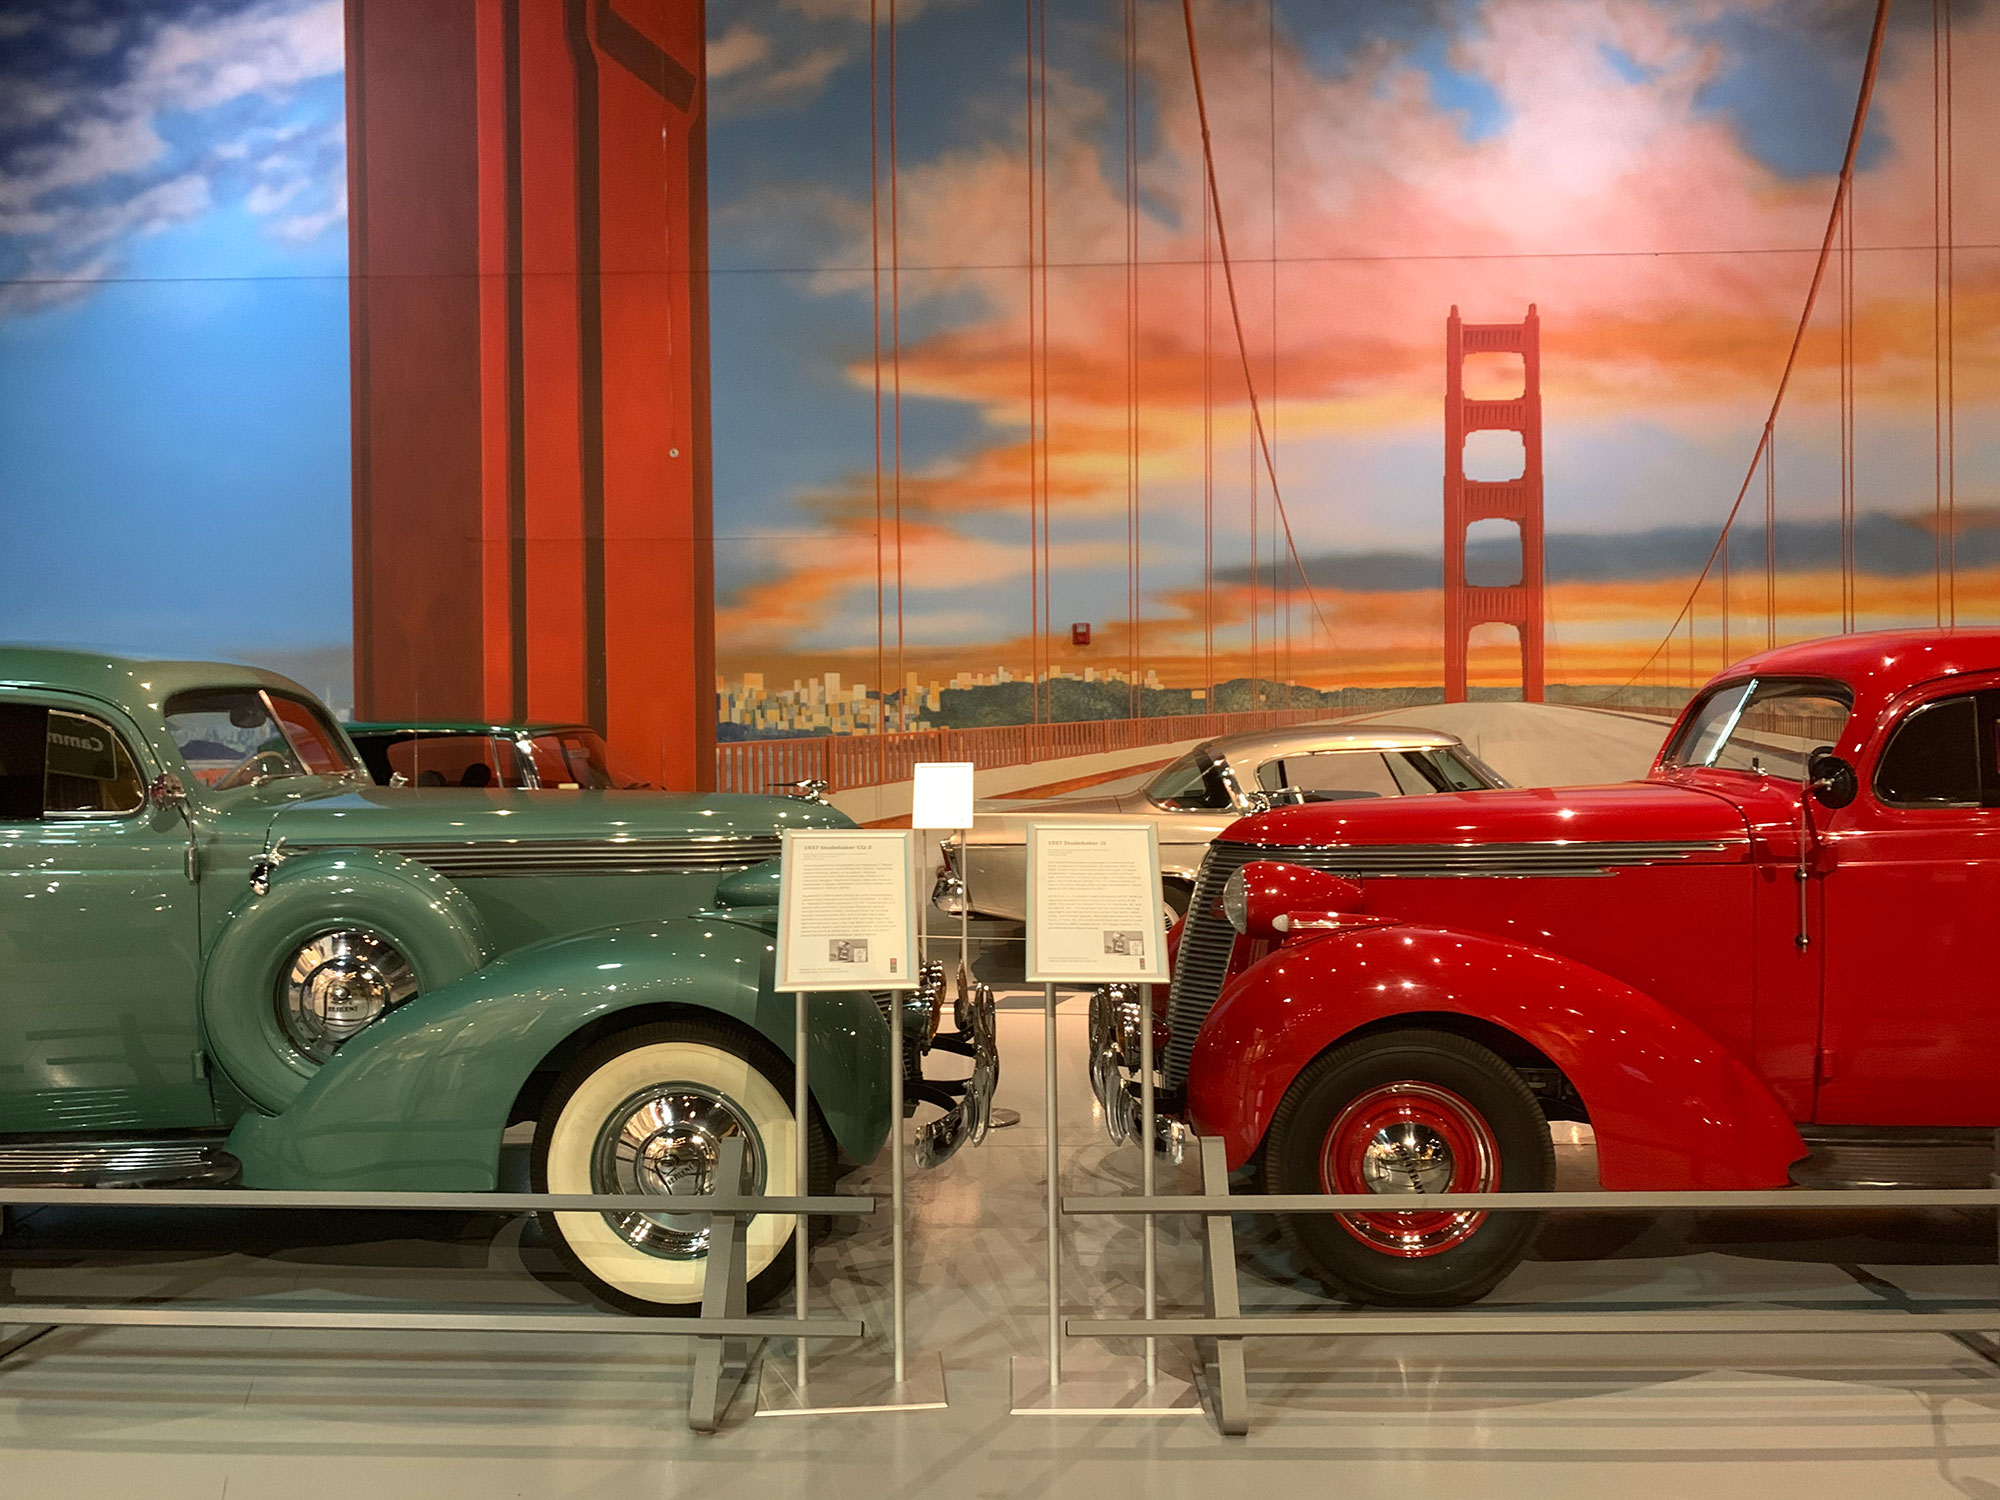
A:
724, 1329
1224, 1321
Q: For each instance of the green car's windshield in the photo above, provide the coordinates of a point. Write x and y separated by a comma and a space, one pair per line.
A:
239, 736
572, 758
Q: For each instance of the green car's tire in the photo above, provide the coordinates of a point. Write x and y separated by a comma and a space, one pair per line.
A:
644, 1112
424, 917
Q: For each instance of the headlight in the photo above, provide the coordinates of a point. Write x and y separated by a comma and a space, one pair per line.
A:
1236, 902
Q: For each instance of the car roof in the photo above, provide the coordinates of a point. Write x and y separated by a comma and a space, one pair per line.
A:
1881, 660
134, 684
1341, 735
459, 726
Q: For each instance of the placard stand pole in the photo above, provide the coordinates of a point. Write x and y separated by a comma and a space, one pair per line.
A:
1147, 1153
1096, 1385
1053, 1163
802, 1120
896, 1045
914, 1385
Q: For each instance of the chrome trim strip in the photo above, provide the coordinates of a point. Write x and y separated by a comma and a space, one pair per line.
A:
608, 856
120, 1163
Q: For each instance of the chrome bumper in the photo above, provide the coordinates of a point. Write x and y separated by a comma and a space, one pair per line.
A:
971, 1115
1116, 1014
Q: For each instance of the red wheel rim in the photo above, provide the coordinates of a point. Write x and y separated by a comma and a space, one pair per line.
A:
1410, 1138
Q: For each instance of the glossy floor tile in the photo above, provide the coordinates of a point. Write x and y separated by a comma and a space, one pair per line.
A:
170, 1413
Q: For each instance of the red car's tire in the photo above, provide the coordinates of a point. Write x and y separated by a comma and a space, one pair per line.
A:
1404, 1113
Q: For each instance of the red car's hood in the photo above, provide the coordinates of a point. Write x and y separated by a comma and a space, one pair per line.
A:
1631, 811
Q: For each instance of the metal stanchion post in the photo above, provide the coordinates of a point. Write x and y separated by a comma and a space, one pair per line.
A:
896, 1045
1147, 1128
1094, 1385
915, 1384
1053, 1161
802, 1120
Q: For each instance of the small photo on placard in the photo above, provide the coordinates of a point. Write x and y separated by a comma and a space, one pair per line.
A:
847, 910
1094, 909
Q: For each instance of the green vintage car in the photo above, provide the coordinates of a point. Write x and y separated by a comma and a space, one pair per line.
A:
227, 955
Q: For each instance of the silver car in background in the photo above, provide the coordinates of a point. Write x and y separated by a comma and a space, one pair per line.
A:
1197, 796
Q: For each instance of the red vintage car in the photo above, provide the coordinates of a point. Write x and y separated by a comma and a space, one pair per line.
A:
1771, 961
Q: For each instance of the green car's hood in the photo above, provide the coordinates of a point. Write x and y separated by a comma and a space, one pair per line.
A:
472, 832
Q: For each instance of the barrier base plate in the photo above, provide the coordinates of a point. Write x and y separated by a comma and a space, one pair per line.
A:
1101, 1386
843, 1385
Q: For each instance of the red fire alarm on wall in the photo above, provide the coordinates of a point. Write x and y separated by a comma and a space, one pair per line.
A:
1079, 633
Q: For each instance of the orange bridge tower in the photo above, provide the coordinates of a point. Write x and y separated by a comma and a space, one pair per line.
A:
1518, 500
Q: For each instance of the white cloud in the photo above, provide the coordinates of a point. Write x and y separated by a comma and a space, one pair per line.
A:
92, 40
91, 164
741, 46
795, 82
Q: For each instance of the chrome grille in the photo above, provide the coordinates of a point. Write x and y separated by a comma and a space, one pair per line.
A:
1202, 962
608, 856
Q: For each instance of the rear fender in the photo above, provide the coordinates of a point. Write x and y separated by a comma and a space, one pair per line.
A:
1670, 1106
420, 1099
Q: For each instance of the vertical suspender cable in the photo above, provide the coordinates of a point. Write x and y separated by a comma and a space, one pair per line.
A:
1847, 599
875, 337
1950, 350
1214, 201
1770, 538
1042, 230
1867, 92
1034, 408
896, 373
1133, 655
1939, 127
1284, 673
1207, 464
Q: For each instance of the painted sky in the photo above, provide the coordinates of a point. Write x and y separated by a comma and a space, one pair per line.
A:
1654, 176
173, 329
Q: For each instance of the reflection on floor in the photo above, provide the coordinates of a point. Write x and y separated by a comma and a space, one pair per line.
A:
168, 1413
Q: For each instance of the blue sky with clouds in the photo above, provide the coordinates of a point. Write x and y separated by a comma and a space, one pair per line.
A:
173, 325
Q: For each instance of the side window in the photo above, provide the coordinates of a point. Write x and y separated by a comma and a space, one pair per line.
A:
24, 760
1936, 758
1331, 775
58, 764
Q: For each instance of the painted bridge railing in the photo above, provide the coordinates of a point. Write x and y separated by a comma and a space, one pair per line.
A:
856, 760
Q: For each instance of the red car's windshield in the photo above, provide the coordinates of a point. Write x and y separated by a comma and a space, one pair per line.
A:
1765, 725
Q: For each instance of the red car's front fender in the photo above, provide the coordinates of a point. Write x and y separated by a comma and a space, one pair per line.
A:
1670, 1106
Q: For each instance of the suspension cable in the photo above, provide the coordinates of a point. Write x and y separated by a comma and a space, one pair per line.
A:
1791, 359
1236, 317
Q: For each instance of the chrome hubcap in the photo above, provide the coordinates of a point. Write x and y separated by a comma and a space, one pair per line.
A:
1405, 1140
1407, 1158
337, 984
666, 1142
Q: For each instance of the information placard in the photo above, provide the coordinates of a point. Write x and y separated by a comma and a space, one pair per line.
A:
1094, 913
847, 910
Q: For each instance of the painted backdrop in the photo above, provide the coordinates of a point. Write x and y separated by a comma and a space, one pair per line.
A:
996, 386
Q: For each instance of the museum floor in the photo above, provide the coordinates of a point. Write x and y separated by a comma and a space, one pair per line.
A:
169, 1413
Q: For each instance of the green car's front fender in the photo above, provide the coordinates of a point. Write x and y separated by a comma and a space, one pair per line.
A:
420, 1099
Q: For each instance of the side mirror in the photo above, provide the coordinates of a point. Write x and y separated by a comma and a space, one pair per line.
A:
167, 790
1831, 780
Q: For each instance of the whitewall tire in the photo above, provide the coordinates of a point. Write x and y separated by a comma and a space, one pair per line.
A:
644, 1113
